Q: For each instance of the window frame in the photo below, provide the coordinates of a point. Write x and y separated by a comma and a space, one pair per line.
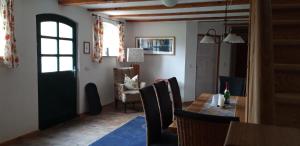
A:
58, 19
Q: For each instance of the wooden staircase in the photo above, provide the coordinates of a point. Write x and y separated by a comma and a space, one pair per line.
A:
286, 45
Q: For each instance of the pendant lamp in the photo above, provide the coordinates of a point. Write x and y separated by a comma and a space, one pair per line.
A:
233, 38
230, 37
169, 3
209, 38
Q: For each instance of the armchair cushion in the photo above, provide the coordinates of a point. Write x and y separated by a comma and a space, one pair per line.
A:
121, 92
131, 83
130, 96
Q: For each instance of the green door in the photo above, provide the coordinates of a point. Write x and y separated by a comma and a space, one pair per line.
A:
57, 70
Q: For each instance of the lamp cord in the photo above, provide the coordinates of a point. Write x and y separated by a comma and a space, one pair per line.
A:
226, 14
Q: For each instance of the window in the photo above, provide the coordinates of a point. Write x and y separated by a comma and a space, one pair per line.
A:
56, 46
110, 39
2, 35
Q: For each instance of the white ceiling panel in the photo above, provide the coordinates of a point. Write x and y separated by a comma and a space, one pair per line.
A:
186, 16
144, 3
158, 11
174, 10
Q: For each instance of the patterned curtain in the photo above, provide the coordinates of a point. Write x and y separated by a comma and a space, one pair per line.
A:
10, 58
121, 56
98, 40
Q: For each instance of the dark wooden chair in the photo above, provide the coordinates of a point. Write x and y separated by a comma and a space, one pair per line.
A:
195, 129
155, 135
236, 85
175, 93
165, 103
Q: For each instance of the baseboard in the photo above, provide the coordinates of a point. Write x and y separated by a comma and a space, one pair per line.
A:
188, 99
14, 140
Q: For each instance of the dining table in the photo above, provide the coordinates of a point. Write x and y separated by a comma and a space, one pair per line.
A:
205, 104
247, 134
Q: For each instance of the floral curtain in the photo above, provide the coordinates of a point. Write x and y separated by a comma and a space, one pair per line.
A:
10, 58
98, 40
121, 56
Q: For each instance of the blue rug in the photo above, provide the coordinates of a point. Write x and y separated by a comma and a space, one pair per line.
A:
132, 133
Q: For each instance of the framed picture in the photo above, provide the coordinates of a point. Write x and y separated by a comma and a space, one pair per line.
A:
156, 45
86, 47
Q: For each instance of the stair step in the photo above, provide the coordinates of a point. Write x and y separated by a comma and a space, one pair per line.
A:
287, 67
285, 6
289, 98
286, 81
286, 42
286, 22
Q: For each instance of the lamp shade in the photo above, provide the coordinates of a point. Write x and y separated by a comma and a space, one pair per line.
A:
135, 55
233, 38
169, 3
208, 40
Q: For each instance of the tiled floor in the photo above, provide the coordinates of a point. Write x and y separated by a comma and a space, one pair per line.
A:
81, 131
84, 130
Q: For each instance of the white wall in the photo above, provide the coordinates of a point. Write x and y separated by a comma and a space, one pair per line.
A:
193, 29
190, 64
225, 51
183, 64
161, 66
18, 87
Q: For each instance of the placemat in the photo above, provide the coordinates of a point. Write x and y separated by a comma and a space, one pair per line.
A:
228, 110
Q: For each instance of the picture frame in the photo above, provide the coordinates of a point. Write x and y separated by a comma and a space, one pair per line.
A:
156, 45
86, 47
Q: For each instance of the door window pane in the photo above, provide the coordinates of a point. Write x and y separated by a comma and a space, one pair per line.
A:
65, 63
65, 31
48, 46
49, 28
49, 64
65, 47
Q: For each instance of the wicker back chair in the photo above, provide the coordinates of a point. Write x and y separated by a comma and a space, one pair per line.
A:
175, 93
121, 93
196, 129
165, 103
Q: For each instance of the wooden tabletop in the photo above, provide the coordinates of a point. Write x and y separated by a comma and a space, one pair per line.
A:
245, 134
200, 101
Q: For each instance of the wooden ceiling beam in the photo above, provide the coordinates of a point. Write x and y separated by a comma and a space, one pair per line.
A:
180, 13
84, 2
178, 6
190, 19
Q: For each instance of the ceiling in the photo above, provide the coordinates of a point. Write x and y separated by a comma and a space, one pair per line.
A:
154, 10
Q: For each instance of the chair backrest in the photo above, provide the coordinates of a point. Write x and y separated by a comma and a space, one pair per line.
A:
195, 129
175, 93
93, 99
152, 114
165, 103
236, 85
119, 74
